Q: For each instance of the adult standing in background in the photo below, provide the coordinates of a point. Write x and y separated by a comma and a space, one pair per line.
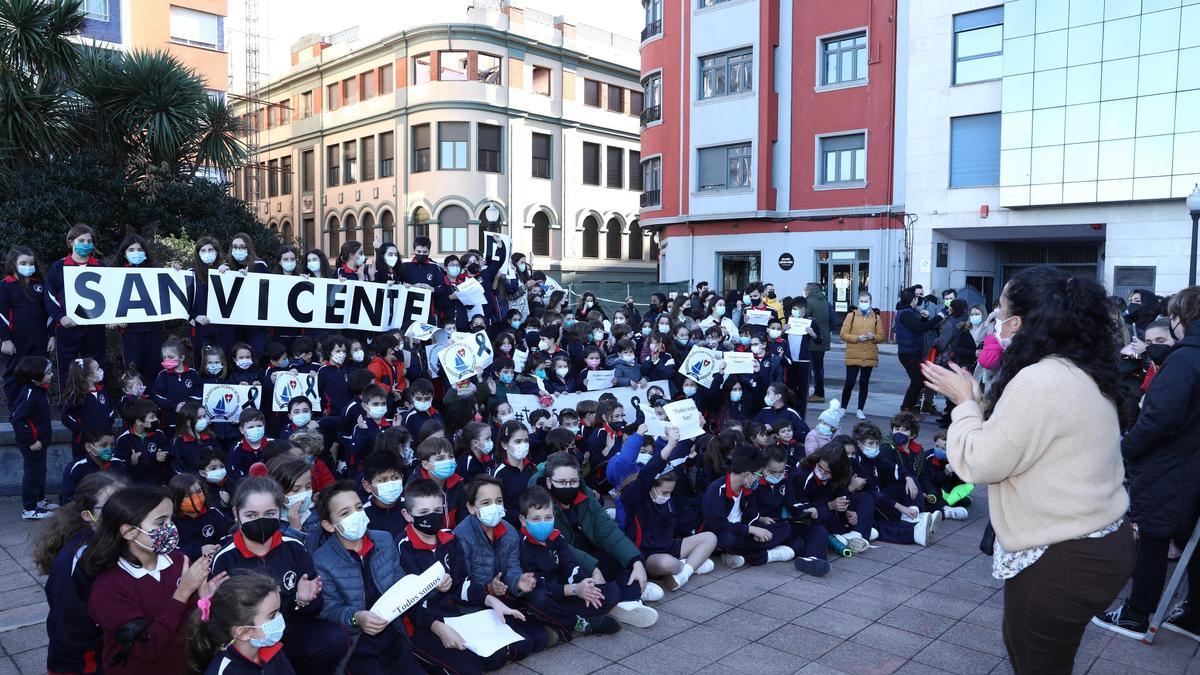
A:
862, 331
818, 311
913, 323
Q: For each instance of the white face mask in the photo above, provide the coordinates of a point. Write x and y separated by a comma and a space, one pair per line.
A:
208, 257
659, 498
338, 358
562, 372
518, 450
490, 515
507, 418
244, 364
390, 491
391, 259
354, 526
304, 499
358, 355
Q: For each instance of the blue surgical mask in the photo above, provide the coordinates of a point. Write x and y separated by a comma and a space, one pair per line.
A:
444, 468
569, 321
976, 320
390, 491
870, 451
940, 453
507, 378
213, 368
735, 395
775, 480
540, 373
83, 247
646, 331
541, 530
744, 339
301, 419
753, 485
453, 270
239, 254
682, 342
314, 266
287, 265
272, 632
689, 391
135, 257
354, 526
255, 434
864, 307
490, 515
208, 257
515, 323
26, 270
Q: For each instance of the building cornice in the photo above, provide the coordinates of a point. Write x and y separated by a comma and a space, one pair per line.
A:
893, 210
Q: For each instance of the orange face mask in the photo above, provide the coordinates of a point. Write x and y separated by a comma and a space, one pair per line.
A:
193, 504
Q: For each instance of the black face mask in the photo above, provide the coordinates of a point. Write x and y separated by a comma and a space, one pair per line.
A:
564, 495
430, 523
260, 529
1158, 353
421, 257
1132, 310
771, 295
473, 268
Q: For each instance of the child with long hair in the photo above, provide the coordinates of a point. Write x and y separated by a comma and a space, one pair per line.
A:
177, 383
201, 526
23, 316
140, 342
31, 427
205, 261
74, 639
85, 403
72, 341
239, 630
192, 437
243, 259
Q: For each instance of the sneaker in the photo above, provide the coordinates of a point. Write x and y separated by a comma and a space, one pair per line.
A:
706, 567
816, 399
954, 513
47, 505
601, 625
634, 613
1123, 622
874, 534
733, 560
1185, 622
780, 554
860, 414
36, 514
652, 592
923, 529
812, 566
854, 541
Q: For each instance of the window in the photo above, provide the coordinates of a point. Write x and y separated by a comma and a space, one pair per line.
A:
452, 146
195, 28
635, 170
591, 93
285, 175
1129, 279
306, 104
844, 59
653, 24
591, 238
710, 3
331, 96
843, 160
489, 148
541, 233
285, 111
248, 184
652, 182
635, 241
591, 164
726, 74
96, 10
387, 79
334, 227
978, 45
368, 233
452, 67
487, 68
616, 98
273, 178
635, 103
368, 157
349, 161
616, 168
422, 71
387, 223
541, 155
350, 91
387, 155
652, 107
333, 166
612, 239
541, 80
975, 150
725, 167
420, 145
420, 223
308, 169
452, 229
370, 84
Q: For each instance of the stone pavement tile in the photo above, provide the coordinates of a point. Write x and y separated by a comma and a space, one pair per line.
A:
730, 590
20, 597
891, 640
1156, 658
986, 616
513, 669
917, 621
882, 587
948, 554
615, 669
997, 599
766, 577
832, 622
929, 564
662, 658
865, 606
32, 662
864, 564
756, 659
1003, 668
955, 608
778, 606
859, 659
983, 577
7, 667
27, 615
706, 642
804, 589
800, 641
956, 659
694, 607
615, 647
819, 669
840, 580
914, 668
667, 625
24, 639
10, 566
565, 658
915, 578
16, 580
1106, 667
890, 553
979, 638
1095, 639
744, 623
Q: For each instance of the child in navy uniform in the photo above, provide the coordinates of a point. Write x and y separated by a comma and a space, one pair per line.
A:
514, 470
142, 446
201, 527
97, 457
421, 393
367, 427
249, 448
778, 500
435, 461
239, 630
85, 403
382, 479
219, 484
475, 451
177, 383
23, 318
192, 438
31, 427
731, 511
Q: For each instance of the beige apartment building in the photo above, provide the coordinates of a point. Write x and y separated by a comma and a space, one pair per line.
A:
421, 132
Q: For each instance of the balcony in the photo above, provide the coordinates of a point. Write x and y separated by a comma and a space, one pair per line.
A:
651, 29
651, 114
651, 198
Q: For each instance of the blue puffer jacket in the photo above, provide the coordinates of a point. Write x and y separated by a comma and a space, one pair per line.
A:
486, 558
341, 576
911, 331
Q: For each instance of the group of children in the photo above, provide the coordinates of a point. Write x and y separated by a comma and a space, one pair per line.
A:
192, 544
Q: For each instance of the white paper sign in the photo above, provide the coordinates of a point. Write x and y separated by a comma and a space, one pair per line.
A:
599, 379
497, 249
758, 317
407, 592
419, 330
483, 631
630, 399
470, 292
225, 402
700, 365
654, 426
739, 363
288, 385
520, 357
798, 326
686, 417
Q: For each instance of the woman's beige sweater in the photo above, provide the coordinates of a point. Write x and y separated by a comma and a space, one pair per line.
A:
1050, 454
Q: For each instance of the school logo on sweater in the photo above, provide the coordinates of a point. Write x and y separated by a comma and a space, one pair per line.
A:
206, 531
289, 580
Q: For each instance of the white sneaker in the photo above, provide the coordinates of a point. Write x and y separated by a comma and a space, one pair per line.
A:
733, 560
652, 592
935, 519
780, 554
874, 534
634, 613
854, 541
706, 567
47, 505
860, 414
921, 530
35, 514
954, 513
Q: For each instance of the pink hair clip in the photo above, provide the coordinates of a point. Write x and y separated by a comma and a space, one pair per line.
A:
205, 606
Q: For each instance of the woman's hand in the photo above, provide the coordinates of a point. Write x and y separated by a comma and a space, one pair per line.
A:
956, 384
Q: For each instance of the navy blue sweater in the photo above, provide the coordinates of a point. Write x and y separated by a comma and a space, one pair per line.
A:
31, 416
718, 503
95, 411
148, 469
207, 528
286, 563
23, 316
71, 630
172, 388
229, 662
650, 526
416, 556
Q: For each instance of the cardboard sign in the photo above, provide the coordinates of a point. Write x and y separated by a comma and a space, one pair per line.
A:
288, 385
654, 426
630, 399
700, 366
419, 330
599, 379
739, 363
470, 292
686, 417
225, 402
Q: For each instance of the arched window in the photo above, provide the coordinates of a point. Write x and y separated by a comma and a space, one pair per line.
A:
541, 233
368, 233
288, 235
654, 247
333, 226
612, 239
591, 238
351, 224
387, 222
452, 229
635, 241
420, 223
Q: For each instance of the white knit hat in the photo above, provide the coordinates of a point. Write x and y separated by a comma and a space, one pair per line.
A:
833, 414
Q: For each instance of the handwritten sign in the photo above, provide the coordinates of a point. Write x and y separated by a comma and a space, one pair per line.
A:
686, 417
599, 379
739, 363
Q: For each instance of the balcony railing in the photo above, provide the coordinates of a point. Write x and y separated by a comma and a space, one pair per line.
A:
651, 198
651, 114
652, 29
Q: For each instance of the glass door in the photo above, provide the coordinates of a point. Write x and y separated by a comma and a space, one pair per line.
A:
843, 274
739, 270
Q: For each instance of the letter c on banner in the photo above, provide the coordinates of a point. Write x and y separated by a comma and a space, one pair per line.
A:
294, 301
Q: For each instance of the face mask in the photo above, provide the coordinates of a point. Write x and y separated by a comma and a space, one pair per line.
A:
572, 429
244, 364
272, 633
752, 485
689, 391
354, 526
744, 340
377, 411
201, 424
163, 539
288, 266
26, 270
391, 259
821, 475
644, 457
870, 451
775, 479
1158, 353
719, 311
757, 350
540, 373
569, 321
99, 375
421, 257
521, 267
390, 491
358, 355
627, 358
597, 335
213, 368
593, 363
796, 313
255, 434
664, 328
735, 395
682, 342
659, 498
360, 259
135, 257
774, 333
83, 248
976, 320
515, 323
646, 331
314, 266
519, 451
1004, 342
618, 321
301, 419
504, 419
490, 515
864, 307
444, 468
745, 299
283, 362
422, 406
208, 257
430, 523
507, 378
541, 530
825, 429
239, 254
105, 454
260, 529
899, 438
564, 495
768, 400
453, 270
215, 476
947, 301
561, 372
304, 499
771, 294
170, 364
940, 453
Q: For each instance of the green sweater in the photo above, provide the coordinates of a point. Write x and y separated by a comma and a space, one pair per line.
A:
595, 531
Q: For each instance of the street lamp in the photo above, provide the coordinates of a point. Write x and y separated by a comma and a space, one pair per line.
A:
1193, 204
493, 214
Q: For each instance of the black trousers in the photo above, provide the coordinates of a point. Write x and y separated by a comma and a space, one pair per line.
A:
912, 367
798, 381
1050, 603
818, 373
863, 375
1150, 573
